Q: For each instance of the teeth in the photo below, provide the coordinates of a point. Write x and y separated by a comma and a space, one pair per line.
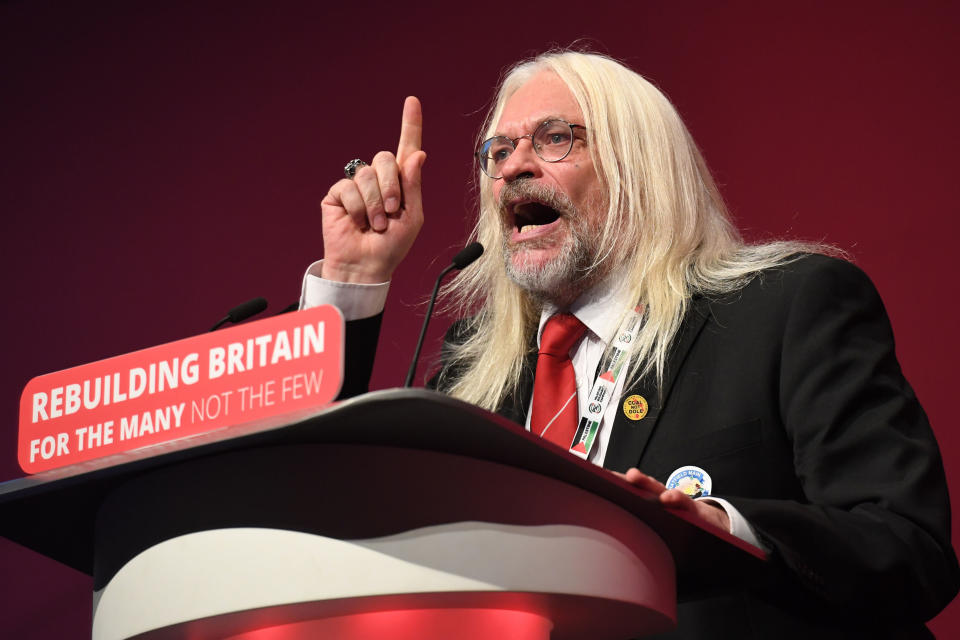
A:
528, 227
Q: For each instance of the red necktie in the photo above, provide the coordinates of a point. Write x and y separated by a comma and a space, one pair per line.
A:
555, 410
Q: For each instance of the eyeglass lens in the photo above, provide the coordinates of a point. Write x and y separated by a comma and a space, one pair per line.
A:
552, 141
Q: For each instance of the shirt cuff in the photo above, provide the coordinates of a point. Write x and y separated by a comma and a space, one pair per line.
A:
739, 526
356, 301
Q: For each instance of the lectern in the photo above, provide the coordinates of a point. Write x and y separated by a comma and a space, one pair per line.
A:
397, 514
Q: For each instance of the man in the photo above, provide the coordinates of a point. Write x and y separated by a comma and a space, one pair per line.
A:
619, 314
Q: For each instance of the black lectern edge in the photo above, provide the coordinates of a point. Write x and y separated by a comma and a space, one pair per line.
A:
38, 511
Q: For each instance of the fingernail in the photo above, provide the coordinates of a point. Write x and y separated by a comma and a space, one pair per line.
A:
391, 204
379, 222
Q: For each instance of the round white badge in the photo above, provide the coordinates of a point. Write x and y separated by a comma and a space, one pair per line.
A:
693, 481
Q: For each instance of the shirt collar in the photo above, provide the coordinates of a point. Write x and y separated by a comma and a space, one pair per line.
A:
599, 308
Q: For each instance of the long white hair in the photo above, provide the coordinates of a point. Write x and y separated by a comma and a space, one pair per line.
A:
666, 233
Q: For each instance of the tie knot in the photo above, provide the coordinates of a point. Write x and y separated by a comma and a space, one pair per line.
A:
560, 334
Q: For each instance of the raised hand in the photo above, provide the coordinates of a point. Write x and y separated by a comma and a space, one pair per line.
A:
371, 221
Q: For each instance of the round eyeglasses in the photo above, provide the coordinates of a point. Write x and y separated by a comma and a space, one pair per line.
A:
552, 141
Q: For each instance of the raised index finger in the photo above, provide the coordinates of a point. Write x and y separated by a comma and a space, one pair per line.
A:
411, 129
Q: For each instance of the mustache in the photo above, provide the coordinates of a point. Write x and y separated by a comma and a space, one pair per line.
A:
549, 195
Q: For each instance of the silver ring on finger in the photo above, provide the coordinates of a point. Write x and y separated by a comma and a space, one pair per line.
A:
350, 169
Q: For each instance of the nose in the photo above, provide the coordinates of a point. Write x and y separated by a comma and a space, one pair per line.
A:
522, 163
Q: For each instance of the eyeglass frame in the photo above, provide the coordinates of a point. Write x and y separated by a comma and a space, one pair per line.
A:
513, 141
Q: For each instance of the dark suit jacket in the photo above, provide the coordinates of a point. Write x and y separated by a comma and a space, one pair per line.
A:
788, 393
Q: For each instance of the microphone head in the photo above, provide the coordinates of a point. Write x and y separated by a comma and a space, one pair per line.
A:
467, 255
249, 308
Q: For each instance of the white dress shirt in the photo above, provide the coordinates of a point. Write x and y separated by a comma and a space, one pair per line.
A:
359, 301
593, 309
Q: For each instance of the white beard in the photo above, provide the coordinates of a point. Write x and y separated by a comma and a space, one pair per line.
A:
559, 281
564, 278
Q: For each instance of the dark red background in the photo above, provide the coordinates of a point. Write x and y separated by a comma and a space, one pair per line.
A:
161, 162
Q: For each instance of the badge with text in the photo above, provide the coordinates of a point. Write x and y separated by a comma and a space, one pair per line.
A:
635, 407
264, 369
693, 481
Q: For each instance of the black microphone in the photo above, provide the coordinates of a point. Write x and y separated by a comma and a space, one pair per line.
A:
242, 311
463, 259
466, 257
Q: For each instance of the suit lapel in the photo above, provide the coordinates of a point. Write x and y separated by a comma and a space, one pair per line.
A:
629, 438
514, 406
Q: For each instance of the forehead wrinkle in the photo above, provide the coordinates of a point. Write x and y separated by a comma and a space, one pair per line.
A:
528, 124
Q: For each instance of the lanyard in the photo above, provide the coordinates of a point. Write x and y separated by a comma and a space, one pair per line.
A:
613, 363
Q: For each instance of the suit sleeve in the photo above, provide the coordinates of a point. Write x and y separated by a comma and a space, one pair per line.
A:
362, 307
360, 347
873, 533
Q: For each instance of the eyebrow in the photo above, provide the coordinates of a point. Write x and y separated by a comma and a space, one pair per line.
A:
536, 122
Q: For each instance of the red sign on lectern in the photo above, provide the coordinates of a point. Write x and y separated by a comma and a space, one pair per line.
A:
262, 369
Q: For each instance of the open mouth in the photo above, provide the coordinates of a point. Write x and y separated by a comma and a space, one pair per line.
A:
527, 216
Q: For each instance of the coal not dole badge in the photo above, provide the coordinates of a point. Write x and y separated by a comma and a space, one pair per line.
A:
635, 407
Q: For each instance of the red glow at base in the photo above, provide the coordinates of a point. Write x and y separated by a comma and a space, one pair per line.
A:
416, 624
